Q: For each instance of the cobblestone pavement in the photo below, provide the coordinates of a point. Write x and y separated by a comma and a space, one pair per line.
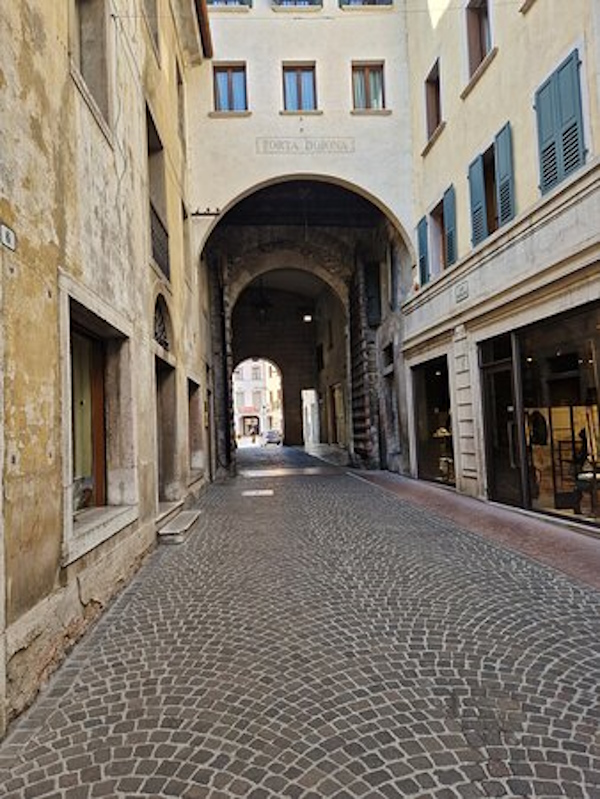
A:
325, 640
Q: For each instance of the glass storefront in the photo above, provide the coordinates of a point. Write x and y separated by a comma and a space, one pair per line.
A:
435, 451
545, 375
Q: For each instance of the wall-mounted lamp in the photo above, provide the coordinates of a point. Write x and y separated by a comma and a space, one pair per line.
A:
307, 317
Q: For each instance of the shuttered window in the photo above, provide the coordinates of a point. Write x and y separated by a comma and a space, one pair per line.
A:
423, 251
449, 204
560, 124
505, 193
491, 184
479, 228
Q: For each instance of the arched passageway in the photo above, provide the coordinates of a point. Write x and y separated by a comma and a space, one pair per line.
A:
302, 272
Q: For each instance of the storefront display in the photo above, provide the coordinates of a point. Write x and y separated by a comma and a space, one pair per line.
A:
435, 454
547, 376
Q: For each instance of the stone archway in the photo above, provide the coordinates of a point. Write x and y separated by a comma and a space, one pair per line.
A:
306, 246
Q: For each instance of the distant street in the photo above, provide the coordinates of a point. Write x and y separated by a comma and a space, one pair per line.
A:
316, 636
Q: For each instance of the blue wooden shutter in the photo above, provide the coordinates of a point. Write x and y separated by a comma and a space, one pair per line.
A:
560, 124
423, 251
570, 118
449, 206
479, 227
505, 192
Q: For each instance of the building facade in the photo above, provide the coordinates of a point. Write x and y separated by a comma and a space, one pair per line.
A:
105, 355
501, 332
257, 399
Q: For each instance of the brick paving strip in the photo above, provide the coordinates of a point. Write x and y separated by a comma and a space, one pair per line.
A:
328, 639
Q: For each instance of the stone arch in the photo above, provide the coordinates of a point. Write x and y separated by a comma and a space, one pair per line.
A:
396, 224
163, 326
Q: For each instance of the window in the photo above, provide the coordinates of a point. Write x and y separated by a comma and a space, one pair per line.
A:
230, 88
102, 468
367, 87
256, 400
433, 104
560, 124
89, 435
491, 185
90, 49
479, 39
256, 373
239, 399
157, 196
443, 234
299, 93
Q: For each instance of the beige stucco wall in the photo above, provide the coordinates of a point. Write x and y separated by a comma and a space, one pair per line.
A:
228, 151
543, 262
529, 47
73, 186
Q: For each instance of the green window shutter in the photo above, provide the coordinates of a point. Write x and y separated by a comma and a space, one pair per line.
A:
570, 117
505, 192
449, 206
423, 251
479, 228
545, 108
560, 124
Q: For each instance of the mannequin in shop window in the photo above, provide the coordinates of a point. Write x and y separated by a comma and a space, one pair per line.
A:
581, 465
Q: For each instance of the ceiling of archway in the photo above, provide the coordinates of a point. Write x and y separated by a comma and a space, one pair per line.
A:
295, 281
305, 203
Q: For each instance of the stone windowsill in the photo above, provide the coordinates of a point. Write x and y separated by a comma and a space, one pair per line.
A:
367, 7
229, 114
303, 9
476, 76
371, 112
313, 113
524, 8
93, 526
239, 9
433, 138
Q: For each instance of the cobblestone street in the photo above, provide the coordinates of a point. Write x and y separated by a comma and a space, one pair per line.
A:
317, 636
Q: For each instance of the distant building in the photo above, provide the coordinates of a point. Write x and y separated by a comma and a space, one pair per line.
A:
257, 398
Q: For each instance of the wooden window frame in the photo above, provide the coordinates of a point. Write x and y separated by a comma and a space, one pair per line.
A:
433, 99
479, 33
299, 70
366, 69
229, 70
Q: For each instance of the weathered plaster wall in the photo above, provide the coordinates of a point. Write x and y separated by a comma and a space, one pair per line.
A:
74, 187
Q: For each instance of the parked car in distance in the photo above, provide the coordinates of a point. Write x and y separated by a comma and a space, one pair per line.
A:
272, 437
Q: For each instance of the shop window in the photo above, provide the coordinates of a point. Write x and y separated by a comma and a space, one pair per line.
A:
491, 185
435, 454
433, 100
560, 124
89, 49
479, 38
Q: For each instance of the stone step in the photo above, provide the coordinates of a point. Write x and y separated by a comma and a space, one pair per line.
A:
176, 530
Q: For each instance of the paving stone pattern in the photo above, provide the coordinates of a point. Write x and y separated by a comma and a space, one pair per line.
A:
327, 641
